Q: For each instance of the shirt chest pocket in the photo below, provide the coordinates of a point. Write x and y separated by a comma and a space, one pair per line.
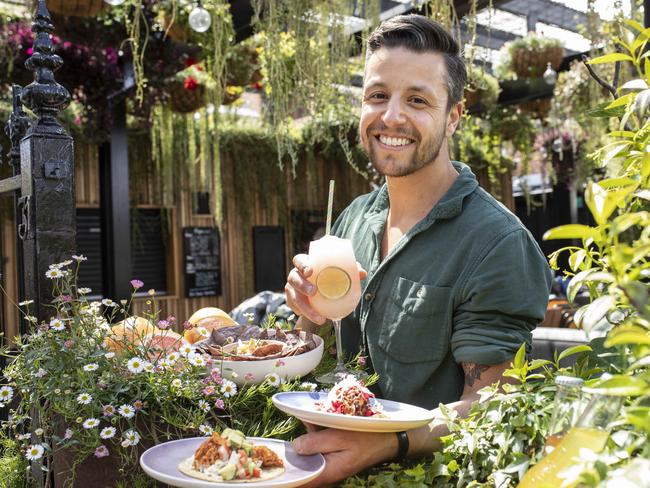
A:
416, 323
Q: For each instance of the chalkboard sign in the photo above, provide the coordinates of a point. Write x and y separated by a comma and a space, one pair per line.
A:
202, 262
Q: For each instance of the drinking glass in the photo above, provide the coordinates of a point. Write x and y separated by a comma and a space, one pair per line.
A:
338, 290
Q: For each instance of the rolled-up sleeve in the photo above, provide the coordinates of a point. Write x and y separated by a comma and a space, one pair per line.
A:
503, 298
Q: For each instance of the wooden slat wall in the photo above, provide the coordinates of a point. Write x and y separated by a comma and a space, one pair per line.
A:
308, 191
9, 280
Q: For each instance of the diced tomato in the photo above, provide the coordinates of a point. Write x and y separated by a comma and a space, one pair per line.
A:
257, 472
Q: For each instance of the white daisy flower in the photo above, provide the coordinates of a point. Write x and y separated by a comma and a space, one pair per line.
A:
164, 363
107, 432
136, 365
196, 359
205, 429
148, 367
109, 355
91, 367
177, 383
203, 405
234, 375
173, 357
35, 452
6, 394
273, 379
203, 332
228, 388
79, 258
131, 438
84, 398
25, 303
126, 411
54, 273
57, 324
90, 423
83, 290
107, 302
308, 386
38, 432
186, 350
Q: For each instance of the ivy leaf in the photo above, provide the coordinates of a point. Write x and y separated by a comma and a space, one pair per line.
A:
611, 58
573, 350
571, 231
619, 385
628, 334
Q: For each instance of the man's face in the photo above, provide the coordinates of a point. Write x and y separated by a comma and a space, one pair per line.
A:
404, 118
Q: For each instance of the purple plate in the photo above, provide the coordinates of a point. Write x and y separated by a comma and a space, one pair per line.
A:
161, 461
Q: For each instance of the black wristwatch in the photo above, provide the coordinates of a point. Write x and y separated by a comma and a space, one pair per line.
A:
402, 445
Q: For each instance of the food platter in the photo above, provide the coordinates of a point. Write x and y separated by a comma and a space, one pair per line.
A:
161, 463
396, 416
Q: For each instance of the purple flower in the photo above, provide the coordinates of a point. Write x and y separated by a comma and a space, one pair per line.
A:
279, 363
163, 324
219, 403
101, 451
208, 390
137, 284
66, 298
215, 375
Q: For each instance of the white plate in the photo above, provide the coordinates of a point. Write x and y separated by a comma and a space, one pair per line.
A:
161, 463
254, 372
398, 416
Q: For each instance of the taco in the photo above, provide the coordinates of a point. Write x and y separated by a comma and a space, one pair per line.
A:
231, 457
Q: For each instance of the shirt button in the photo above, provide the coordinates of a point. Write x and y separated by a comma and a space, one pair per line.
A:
420, 293
368, 296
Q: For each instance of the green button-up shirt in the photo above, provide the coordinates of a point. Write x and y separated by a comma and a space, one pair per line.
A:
468, 283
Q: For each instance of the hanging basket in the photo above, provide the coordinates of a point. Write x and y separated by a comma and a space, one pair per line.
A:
76, 8
183, 100
536, 108
532, 63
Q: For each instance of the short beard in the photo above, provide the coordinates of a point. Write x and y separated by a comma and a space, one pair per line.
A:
423, 157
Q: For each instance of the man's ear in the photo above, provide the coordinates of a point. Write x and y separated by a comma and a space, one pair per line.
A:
453, 119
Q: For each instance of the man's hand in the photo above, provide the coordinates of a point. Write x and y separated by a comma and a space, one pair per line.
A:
298, 289
346, 452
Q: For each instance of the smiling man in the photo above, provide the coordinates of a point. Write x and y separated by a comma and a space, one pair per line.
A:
453, 284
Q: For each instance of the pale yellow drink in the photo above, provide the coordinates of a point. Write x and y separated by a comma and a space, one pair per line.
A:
565, 455
336, 277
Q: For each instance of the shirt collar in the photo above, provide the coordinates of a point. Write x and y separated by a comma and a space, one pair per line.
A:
449, 206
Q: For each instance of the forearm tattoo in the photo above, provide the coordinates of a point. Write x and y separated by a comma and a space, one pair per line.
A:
473, 372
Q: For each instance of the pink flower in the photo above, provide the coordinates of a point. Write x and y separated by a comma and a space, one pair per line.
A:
171, 319
68, 344
108, 410
215, 375
361, 360
138, 404
67, 435
163, 324
137, 284
30, 51
279, 363
208, 390
66, 298
248, 377
187, 325
101, 451
219, 403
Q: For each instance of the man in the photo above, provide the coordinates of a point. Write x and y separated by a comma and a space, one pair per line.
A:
454, 282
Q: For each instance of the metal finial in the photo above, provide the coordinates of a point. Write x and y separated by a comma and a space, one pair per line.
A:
44, 96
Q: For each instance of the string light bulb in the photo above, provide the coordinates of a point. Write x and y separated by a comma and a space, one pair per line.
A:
199, 18
550, 75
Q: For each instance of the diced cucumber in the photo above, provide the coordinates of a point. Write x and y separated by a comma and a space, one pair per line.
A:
228, 472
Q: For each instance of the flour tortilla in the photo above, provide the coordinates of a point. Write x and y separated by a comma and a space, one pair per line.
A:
186, 467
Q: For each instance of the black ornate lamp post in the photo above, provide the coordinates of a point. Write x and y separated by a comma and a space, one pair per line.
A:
42, 158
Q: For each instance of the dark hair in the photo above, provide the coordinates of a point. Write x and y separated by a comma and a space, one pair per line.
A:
421, 34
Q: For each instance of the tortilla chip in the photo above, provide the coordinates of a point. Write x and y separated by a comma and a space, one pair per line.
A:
186, 467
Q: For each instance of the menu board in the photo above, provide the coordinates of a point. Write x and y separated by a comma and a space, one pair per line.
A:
202, 262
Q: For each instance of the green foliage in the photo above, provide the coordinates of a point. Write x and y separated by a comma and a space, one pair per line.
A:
13, 465
613, 260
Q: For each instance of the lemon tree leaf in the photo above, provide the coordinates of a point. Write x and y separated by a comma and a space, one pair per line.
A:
571, 231
611, 58
628, 334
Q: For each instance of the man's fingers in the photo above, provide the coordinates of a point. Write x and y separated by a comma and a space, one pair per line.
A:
302, 264
322, 441
362, 272
299, 283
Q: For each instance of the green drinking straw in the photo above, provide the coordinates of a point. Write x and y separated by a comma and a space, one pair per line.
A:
330, 202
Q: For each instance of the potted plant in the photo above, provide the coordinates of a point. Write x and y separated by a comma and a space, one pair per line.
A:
187, 89
77, 8
529, 56
482, 89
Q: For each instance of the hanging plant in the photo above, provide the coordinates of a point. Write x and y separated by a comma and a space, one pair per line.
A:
482, 89
528, 57
188, 88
